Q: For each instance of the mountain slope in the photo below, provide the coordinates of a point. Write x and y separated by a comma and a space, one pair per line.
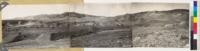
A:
143, 29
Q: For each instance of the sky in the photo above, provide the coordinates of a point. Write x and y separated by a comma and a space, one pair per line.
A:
13, 11
98, 9
123, 8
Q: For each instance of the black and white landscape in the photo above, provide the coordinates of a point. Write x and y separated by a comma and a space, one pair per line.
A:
121, 26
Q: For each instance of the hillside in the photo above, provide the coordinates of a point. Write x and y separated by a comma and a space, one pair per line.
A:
143, 29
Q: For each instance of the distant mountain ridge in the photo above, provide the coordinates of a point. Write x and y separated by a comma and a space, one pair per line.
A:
80, 15
137, 18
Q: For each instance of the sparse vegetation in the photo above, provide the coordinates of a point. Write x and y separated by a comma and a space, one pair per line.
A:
144, 29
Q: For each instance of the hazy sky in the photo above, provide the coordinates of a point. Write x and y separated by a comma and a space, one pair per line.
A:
123, 8
106, 9
12, 11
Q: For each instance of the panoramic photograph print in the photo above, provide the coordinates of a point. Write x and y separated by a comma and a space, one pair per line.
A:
136, 25
37, 26
113, 25
160, 25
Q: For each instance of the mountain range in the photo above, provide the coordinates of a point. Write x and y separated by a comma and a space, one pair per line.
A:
143, 26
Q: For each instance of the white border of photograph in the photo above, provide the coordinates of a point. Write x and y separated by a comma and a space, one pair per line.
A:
128, 1
136, 49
